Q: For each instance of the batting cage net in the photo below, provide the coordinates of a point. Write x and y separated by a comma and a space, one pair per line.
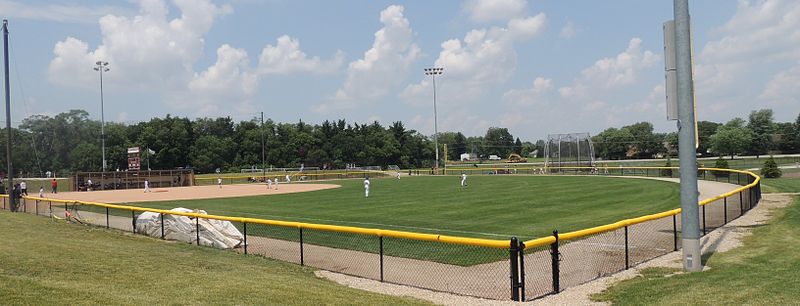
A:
569, 150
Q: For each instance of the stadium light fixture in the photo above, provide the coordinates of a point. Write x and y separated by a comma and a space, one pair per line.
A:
102, 66
433, 72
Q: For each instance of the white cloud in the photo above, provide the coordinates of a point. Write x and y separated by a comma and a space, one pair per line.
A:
491, 10
752, 49
286, 57
145, 52
783, 88
151, 52
568, 31
383, 68
608, 73
229, 82
57, 12
530, 96
768, 29
485, 57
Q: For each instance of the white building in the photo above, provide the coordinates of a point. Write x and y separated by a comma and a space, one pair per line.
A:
469, 157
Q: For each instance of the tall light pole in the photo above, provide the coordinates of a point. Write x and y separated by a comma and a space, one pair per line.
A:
686, 139
433, 72
263, 152
8, 120
101, 67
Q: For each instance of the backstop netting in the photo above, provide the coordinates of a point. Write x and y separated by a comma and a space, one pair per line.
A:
569, 150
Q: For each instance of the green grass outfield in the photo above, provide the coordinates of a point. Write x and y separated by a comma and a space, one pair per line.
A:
489, 207
495, 207
45, 262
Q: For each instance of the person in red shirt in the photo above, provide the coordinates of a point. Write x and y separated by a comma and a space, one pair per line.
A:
54, 185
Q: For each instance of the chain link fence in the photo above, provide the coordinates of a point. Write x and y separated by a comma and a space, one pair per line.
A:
494, 269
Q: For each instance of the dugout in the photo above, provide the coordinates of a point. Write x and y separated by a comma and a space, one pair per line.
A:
133, 179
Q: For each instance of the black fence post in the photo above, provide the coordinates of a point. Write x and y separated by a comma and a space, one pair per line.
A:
554, 259
627, 254
162, 225
36, 203
108, 225
521, 270
49, 206
738, 179
302, 260
704, 220
725, 210
381, 254
741, 204
514, 261
197, 229
133, 221
675, 232
245, 237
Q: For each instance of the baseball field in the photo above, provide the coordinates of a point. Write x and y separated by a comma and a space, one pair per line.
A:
490, 206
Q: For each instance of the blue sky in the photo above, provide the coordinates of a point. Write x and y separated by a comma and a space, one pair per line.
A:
536, 67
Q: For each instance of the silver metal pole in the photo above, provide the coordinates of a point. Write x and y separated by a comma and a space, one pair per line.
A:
435, 125
8, 118
103, 122
690, 227
263, 152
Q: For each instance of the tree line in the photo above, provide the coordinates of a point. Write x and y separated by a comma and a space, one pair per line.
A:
70, 141
758, 135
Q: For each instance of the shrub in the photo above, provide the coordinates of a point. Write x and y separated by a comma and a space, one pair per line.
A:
721, 163
771, 169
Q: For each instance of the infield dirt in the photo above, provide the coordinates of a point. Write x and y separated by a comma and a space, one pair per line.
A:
186, 193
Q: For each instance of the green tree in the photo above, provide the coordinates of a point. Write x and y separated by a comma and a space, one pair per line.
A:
797, 133
613, 143
705, 129
498, 141
731, 138
518, 146
784, 137
762, 127
642, 140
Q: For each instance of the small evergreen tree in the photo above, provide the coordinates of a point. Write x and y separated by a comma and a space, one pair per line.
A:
721, 164
771, 169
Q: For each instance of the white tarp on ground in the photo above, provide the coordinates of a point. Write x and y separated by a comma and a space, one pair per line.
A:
214, 233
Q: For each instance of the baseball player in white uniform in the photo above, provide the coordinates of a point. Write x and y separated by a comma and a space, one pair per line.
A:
219, 182
288, 179
269, 183
463, 179
366, 187
146, 186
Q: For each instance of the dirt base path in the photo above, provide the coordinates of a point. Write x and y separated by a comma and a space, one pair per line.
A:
187, 193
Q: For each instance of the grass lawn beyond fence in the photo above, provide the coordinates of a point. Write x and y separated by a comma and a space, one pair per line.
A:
764, 271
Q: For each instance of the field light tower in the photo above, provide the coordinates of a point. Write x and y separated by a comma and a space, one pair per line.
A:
101, 67
433, 72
